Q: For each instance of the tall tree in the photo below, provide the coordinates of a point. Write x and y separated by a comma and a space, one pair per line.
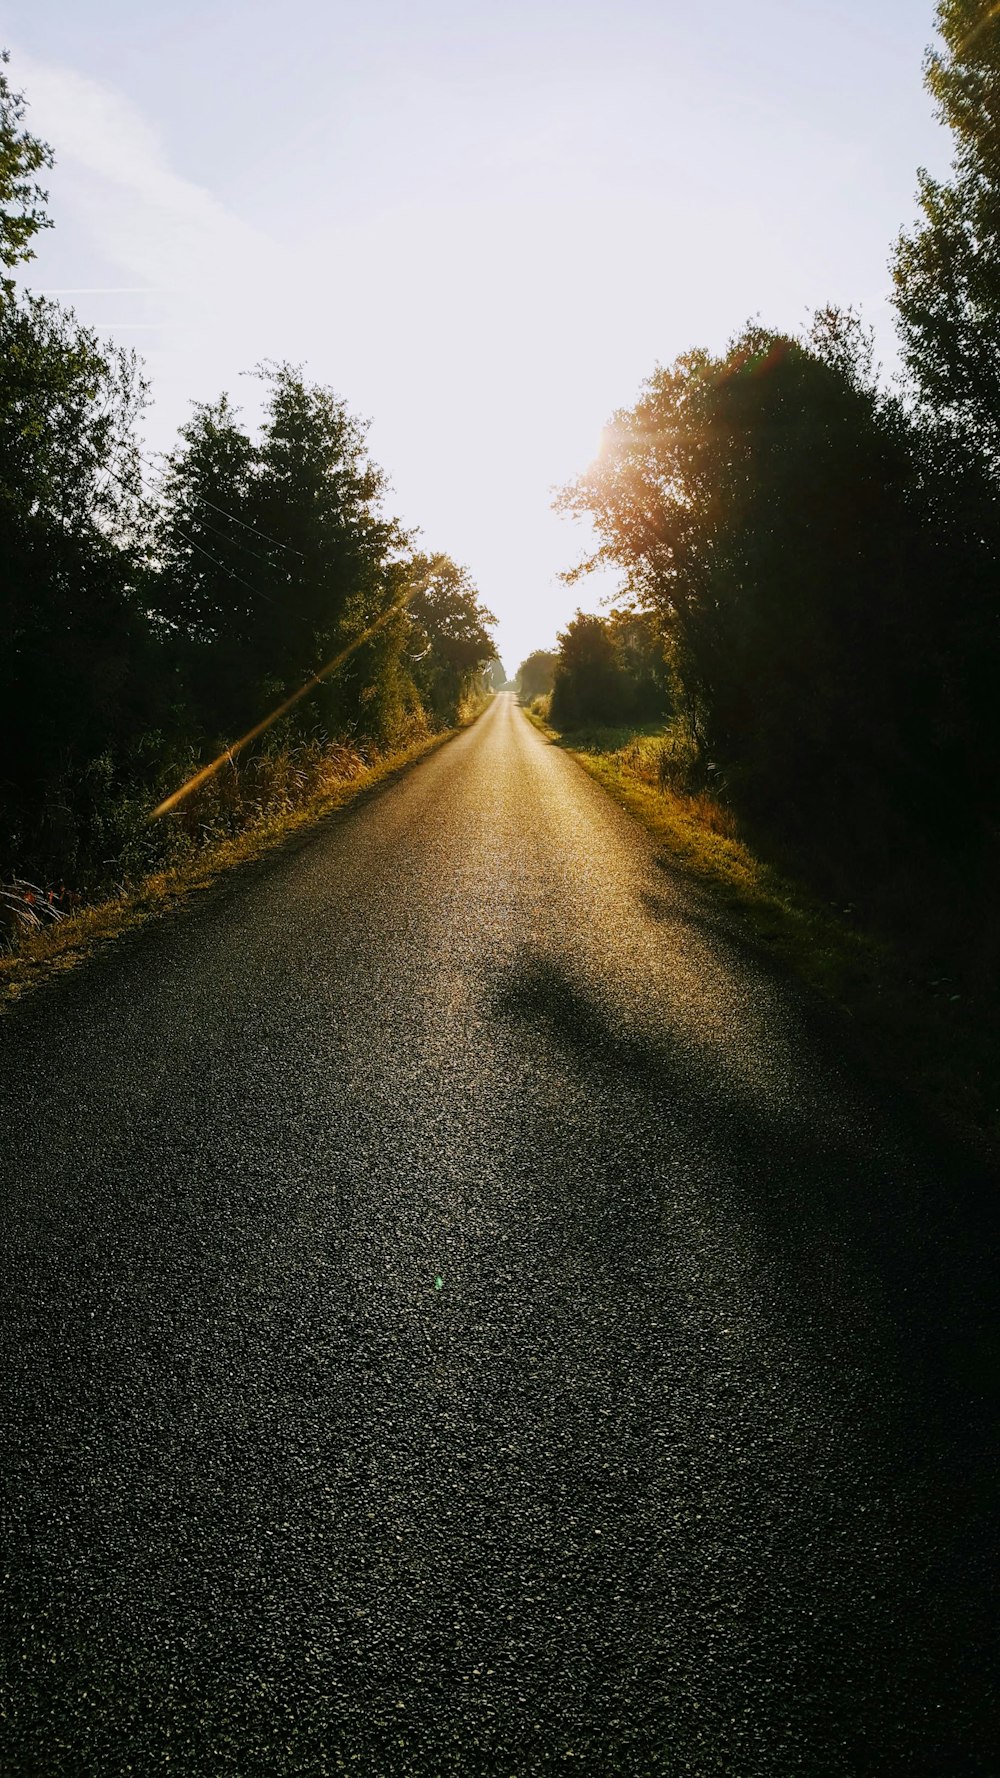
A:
535, 674
277, 554
22, 200
209, 551
946, 269
639, 649
79, 675
588, 683
776, 514
450, 641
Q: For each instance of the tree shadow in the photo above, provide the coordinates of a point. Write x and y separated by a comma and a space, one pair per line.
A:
855, 1214
868, 1275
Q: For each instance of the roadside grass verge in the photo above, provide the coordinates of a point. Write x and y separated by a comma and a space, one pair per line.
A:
247, 811
921, 1018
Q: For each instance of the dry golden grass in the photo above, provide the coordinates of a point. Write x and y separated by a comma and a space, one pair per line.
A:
472, 705
703, 835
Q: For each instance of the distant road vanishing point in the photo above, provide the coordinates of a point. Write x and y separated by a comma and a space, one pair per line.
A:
465, 1313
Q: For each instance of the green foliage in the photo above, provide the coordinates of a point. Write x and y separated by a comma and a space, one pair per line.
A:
203, 532
588, 684
821, 575
275, 555
450, 647
80, 677
642, 664
22, 200
609, 670
947, 269
821, 558
536, 674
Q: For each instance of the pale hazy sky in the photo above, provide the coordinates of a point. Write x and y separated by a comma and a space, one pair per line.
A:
483, 225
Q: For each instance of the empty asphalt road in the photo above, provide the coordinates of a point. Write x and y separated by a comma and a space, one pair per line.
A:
464, 1313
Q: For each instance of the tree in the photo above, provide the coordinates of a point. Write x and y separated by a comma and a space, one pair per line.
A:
639, 651
588, 685
946, 269
218, 578
819, 590
80, 675
208, 548
22, 199
450, 643
263, 577
606, 669
535, 674
276, 555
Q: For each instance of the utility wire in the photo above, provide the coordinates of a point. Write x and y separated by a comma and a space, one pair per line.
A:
227, 515
234, 542
228, 753
258, 592
314, 679
231, 574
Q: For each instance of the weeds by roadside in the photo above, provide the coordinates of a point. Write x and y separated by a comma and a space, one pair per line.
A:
244, 811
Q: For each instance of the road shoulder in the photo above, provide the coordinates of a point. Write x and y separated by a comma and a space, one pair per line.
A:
913, 1035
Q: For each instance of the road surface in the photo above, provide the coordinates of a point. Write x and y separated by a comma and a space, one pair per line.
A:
464, 1314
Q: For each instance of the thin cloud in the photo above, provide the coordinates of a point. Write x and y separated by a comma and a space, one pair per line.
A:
104, 290
135, 326
170, 233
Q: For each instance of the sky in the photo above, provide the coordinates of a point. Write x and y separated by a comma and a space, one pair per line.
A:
483, 225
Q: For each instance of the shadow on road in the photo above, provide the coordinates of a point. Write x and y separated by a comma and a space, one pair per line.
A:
854, 1215
868, 1261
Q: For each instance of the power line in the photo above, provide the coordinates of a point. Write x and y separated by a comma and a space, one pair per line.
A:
217, 531
315, 679
234, 542
228, 753
231, 574
257, 592
226, 515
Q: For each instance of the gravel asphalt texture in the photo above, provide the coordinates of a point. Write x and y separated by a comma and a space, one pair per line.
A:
464, 1312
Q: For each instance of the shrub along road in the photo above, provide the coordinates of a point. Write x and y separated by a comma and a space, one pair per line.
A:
463, 1313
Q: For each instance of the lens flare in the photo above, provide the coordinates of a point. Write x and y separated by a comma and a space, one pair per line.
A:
228, 753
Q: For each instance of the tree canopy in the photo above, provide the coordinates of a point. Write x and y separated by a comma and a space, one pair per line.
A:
22, 200
818, 572
535, 674
946, 269
450, 641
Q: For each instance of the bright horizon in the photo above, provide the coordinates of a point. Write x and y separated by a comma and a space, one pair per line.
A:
483, 231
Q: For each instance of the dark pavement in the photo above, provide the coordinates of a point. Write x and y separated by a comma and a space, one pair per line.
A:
463, 1314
